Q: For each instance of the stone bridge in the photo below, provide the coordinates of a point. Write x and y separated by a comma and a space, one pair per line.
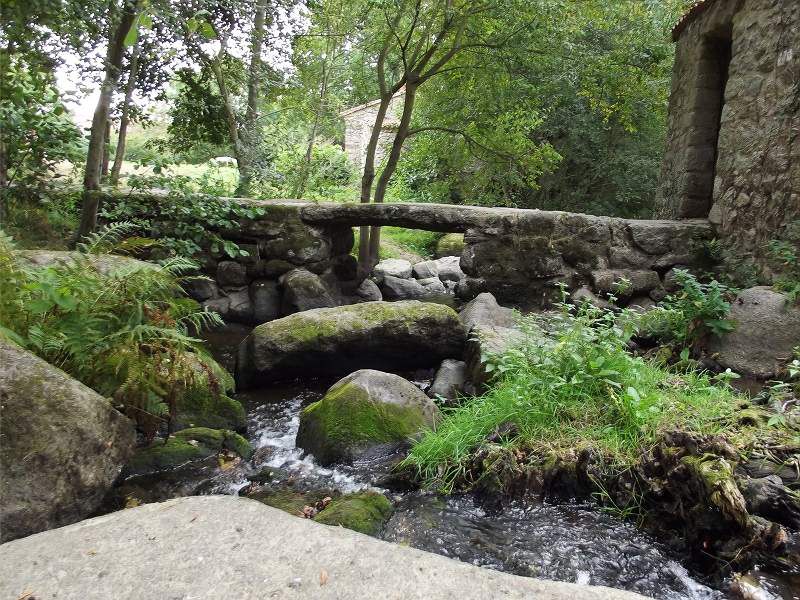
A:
522, 256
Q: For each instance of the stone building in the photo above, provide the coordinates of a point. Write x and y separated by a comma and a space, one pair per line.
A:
733, 142
358, 122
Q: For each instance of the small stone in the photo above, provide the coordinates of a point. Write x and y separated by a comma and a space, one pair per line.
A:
449, 268
392, 267
426, 269
450, 380
369, 291
396, 288
231, 274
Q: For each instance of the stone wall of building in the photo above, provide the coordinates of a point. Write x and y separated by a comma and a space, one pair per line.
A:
735, 158
358, 122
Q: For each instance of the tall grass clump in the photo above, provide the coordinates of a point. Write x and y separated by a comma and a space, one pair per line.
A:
121, 327
574, 387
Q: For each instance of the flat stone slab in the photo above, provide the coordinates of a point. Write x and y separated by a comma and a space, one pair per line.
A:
231, 548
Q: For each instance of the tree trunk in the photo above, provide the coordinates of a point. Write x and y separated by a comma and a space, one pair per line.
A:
94, 156
367, 178
391, 165
250, 137
106, 151
119, 155
305, 168
230, 114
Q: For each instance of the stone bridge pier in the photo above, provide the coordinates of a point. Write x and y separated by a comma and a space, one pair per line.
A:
299, 255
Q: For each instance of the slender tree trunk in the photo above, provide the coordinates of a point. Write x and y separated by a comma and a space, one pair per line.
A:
250, 137
106, 151
368, 177
94, 156
391, 164
119, 155
305, 168
230, 114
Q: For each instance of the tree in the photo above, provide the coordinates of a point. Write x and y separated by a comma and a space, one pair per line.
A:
419, 40
130, 86
123, 18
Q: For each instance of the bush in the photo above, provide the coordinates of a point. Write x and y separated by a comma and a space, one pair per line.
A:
574, 388
695, 312
123, 330
785, 253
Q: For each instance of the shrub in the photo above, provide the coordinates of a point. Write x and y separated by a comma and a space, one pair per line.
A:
123, 330
694, 312
785, 253
573, 388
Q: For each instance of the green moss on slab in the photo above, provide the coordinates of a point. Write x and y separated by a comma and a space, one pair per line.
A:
365, 512
290, 500
186, 446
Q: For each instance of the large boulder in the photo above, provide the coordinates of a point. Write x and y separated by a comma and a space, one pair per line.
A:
365, 409
449, 269
62, 445
335, 341
304, 290
767, 331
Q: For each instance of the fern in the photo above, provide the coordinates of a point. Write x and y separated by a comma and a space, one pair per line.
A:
126, 331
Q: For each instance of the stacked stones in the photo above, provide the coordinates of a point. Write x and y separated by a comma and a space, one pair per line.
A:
398, 279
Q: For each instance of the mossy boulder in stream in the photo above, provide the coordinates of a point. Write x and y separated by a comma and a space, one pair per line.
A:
186, 446
365, 409
207, 404
336, 341
365, 512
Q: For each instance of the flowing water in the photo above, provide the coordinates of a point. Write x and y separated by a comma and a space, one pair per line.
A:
565, 542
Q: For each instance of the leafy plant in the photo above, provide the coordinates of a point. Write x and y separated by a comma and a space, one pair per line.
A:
184, 221
121, 327
692, 313
786, 253
573, 388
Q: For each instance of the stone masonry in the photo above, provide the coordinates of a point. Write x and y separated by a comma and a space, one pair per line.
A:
733, 153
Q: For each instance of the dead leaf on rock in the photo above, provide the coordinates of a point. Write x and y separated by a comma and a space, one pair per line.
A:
323, 577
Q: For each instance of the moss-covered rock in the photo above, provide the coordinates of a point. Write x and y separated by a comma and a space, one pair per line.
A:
335, 341
291, 500
365, 409
365, 512
186, 446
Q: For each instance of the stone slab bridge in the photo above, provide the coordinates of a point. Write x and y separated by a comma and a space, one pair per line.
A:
522, 256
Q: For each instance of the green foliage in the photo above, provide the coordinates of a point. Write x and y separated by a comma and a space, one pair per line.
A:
696, 311
785, 252
184, 221
574, 387
328, 176
37, 132
119, 327
43, 217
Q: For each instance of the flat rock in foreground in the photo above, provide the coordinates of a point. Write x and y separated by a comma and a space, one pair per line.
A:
223, 547
337, 341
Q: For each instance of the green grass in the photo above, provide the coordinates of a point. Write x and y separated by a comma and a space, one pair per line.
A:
398, 242
574, 389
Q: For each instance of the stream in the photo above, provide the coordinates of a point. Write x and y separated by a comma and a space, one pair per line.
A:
565, 542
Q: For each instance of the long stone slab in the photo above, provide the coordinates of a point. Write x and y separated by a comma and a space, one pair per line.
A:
223, 547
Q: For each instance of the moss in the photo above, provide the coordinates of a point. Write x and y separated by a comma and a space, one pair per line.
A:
326, 323
346, 419
236, 443
365, 512
289, 500
161, 455
201, 408
451, 244
186, 446
715, 477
